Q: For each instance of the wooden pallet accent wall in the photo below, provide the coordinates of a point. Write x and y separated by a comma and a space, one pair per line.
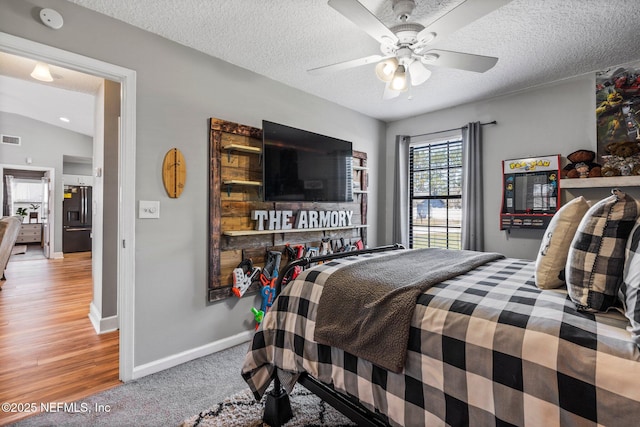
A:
230, 207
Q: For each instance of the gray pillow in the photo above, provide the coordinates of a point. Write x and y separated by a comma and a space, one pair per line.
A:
630, 289
596, 257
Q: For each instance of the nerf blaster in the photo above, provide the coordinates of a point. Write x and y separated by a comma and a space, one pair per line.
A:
243, 275
294, 254
272, 265
268, 278
325, 246
258, 315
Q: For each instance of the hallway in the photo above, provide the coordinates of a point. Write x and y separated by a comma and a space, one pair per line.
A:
49, 350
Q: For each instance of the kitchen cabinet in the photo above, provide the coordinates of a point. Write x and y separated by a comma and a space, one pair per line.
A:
68, 179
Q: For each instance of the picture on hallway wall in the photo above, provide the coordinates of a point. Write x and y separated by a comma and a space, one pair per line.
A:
618, 118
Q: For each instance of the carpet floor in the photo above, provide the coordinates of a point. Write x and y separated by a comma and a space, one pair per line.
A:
163, 399
241, 409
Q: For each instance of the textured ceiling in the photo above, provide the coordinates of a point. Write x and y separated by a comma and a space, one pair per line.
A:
537, 41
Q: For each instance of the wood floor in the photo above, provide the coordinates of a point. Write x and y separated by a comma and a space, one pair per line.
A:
49, 351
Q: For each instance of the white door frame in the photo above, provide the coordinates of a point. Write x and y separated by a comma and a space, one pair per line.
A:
126, 171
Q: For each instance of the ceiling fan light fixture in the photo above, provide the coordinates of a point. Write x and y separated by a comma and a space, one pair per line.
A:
399, 81
41, 72
386, 69
419, 73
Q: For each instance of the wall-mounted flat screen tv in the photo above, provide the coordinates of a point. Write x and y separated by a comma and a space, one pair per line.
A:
299, 165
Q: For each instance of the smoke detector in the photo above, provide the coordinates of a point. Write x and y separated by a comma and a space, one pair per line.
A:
51, 18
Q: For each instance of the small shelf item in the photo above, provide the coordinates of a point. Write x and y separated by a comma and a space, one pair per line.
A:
231, 182
174, 173
530, 195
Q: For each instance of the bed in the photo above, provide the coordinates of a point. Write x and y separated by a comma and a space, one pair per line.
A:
486, 347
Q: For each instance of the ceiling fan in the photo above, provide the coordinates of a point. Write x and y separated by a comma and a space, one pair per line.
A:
405, 47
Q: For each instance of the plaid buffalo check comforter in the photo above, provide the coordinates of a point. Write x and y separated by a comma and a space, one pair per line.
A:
486, 348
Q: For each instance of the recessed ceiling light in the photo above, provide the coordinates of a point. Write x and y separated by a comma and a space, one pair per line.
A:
64, 119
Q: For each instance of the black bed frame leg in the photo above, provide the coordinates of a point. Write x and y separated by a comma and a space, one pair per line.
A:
277, 409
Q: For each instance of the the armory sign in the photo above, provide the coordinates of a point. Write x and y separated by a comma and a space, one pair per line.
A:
286, 220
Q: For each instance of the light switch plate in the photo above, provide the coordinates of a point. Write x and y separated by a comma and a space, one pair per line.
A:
148, 209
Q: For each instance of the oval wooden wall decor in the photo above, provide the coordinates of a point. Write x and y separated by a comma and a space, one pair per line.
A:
174, 172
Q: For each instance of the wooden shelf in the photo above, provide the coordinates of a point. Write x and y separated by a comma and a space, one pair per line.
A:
360, 168
231, 182
236, 233
602, 182
360, 192
243, 148
240, 182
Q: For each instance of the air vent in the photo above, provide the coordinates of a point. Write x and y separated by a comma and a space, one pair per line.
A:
11, 140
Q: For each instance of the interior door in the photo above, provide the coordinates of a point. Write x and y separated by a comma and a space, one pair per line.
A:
47, 195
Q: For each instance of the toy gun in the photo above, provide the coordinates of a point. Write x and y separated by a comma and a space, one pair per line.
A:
258, 315
293, 255
325, 246
272, 265
243, 275
268, 278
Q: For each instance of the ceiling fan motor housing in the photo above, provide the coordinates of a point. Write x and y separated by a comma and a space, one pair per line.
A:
403, 9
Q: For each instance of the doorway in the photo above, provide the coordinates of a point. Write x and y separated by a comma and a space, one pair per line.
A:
125, 242
32, 192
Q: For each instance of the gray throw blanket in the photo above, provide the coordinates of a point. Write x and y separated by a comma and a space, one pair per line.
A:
366, 307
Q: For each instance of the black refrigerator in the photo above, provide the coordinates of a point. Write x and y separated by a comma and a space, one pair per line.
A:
76, 222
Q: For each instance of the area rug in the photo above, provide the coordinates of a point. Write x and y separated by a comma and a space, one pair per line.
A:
19, 249
241, 409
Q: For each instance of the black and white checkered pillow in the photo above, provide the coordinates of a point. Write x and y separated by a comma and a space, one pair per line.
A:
595, 263
630, 289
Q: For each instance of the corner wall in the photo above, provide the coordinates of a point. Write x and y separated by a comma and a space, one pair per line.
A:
558, 118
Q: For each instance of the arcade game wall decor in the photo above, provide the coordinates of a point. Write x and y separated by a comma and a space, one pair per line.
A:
530, 193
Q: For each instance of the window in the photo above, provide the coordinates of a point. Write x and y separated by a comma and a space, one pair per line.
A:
435, 194
27, 191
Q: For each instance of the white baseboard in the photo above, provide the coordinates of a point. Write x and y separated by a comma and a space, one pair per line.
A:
56, 255
186, 356
100, 324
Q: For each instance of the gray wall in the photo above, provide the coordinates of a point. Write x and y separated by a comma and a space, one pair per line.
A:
558, 118
71, 168
45, 144
178, 90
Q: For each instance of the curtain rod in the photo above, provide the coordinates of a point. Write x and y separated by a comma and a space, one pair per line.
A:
449, 130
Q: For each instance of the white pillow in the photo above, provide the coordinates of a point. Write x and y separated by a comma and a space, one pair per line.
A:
552, 256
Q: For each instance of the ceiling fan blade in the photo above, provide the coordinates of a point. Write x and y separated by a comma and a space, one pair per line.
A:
354, 11
461, 61
346, 64
389, 93
462, 15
